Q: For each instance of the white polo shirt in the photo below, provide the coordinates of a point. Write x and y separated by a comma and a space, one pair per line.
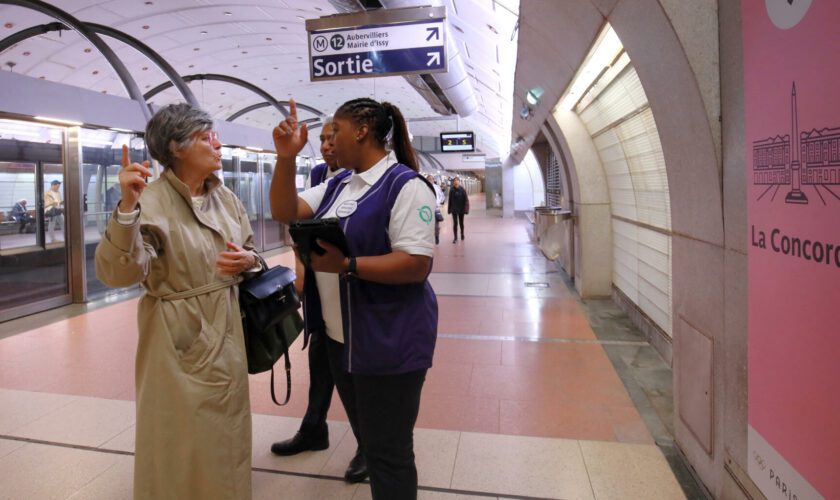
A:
410, 230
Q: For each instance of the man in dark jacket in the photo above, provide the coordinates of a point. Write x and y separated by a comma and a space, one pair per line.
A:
20, 215
459, 205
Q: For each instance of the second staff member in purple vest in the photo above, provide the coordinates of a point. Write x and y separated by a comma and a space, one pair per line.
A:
376, 305
329, 169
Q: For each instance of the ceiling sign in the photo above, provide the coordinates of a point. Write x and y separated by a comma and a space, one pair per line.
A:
384, 42
451, 142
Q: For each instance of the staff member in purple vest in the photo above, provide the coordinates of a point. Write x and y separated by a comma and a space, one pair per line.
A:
329, 169
376, 305
313, 433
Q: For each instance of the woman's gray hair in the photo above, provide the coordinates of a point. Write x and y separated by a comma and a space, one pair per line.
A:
326, 120
173, 128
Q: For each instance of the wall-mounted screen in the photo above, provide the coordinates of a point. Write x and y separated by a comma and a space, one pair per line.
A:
457, 142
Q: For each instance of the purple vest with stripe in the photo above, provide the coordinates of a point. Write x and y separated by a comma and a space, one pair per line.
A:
318, 174
388, 329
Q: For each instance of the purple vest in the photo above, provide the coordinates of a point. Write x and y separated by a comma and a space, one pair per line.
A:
318, 174
388, 329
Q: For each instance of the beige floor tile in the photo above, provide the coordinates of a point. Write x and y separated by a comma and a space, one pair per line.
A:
273, 486
434, 452
19, 408
9, 445
620, 470
113, 484
520, 465
46, 472
509, 285
363, 493
268, 429
124, 441
459, 284
344, 452
437, 495
85, 421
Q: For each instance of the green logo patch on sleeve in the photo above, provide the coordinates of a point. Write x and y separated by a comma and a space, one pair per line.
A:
425, 214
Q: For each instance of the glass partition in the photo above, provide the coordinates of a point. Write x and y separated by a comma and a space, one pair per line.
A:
229, 169
304, 166
273, 231
34, 258
250, 193
33, 254
248, 174
101, 163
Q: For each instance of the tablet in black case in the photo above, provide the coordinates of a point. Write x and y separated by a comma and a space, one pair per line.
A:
305, 232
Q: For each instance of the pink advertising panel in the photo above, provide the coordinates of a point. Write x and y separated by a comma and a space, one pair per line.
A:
792, 108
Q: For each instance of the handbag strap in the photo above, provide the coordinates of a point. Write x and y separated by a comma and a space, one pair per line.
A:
288, 366
288, 382
201, 290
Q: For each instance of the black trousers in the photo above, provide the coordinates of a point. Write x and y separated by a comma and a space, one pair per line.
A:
321, 385
382, 410
457, 219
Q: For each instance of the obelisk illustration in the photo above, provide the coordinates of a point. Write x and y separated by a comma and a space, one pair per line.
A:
795, 195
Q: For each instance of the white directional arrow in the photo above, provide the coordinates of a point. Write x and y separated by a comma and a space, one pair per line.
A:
434, 58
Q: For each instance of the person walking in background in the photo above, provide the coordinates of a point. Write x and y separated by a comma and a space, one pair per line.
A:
439, 203
459, 206
53, 209
187, 238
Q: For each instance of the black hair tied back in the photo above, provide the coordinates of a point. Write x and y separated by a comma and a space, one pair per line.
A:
383, 120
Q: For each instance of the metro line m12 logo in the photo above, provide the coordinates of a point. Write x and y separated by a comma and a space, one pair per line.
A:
797, 161
337, 42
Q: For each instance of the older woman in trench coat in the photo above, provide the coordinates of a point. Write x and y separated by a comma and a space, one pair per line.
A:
186, 239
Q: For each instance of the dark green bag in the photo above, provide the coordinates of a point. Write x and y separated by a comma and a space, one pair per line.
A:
270, 321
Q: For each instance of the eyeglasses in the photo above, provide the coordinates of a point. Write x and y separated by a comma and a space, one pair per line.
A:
210, 136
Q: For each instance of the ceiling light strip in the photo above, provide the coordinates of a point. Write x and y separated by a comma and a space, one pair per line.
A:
59, 120
605, 50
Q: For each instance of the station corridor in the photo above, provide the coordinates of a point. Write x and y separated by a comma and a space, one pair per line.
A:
533, 394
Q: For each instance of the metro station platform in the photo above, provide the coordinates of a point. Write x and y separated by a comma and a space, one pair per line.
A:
533, 394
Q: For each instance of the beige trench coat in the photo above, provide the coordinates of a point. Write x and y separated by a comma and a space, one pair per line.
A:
193, 412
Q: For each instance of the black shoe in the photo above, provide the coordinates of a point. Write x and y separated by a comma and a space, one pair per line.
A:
462, 236
357, 471
300, 443
455, 240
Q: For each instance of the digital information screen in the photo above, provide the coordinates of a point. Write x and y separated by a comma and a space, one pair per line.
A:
457, 142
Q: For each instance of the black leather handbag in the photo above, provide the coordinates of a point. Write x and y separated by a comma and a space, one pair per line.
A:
269, 306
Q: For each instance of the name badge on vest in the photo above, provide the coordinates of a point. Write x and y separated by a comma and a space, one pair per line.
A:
347, 208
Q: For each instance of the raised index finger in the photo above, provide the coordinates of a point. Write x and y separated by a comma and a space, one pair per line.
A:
292, 108
125, 160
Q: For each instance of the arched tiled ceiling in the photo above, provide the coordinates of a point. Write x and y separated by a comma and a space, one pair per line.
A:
261, 41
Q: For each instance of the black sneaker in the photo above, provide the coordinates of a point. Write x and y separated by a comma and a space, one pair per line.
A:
300, 443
